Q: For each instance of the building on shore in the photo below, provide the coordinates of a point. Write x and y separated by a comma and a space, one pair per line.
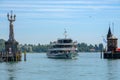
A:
112, 52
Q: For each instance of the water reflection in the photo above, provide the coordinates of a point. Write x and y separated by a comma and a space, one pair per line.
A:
112, 69
11, 70
37, 66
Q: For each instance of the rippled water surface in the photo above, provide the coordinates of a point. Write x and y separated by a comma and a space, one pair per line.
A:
87, 66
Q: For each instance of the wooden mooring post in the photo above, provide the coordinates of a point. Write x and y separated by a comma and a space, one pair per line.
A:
101, 54
24, 55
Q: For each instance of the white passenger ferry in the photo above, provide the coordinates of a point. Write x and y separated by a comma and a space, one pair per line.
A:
62, 48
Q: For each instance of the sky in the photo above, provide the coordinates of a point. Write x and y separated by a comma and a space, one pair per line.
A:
42, 21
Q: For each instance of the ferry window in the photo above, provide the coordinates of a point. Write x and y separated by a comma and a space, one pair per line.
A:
67, 41
60, 41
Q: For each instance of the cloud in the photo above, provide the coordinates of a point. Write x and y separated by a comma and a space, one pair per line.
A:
33, 6
60, 9
59, 5
62, 2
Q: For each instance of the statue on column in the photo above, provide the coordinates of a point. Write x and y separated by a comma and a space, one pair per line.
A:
11, 43
11, 53
11, 19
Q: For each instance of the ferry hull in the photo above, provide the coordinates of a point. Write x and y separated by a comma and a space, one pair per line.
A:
62, 55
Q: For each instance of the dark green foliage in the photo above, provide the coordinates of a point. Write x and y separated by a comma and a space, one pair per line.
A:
2, 45
96, 48
101, 46
82, 47
34, 48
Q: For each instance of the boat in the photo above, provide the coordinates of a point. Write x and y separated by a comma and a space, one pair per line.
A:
63, 48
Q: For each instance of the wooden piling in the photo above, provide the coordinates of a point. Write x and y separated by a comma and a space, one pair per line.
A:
101, 54
16, 56
7, 56
24, 55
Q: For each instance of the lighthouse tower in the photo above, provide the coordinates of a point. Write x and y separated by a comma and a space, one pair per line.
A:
112, 44
113, 51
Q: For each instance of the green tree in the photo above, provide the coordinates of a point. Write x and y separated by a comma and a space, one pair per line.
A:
2, 44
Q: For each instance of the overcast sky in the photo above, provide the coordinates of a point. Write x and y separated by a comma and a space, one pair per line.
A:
42, 21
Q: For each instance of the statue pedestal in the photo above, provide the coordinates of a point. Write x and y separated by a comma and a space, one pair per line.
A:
11, 48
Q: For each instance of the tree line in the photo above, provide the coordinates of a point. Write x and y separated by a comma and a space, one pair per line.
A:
82, 47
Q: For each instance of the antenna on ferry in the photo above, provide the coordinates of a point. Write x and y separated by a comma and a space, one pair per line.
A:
65, 33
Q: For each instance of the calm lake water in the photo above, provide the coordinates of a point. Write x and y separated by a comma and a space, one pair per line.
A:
87, 66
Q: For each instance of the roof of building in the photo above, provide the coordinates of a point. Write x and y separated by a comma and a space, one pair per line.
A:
109, 33
112, 37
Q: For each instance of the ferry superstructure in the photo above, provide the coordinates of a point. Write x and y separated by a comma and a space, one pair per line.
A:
62, 48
